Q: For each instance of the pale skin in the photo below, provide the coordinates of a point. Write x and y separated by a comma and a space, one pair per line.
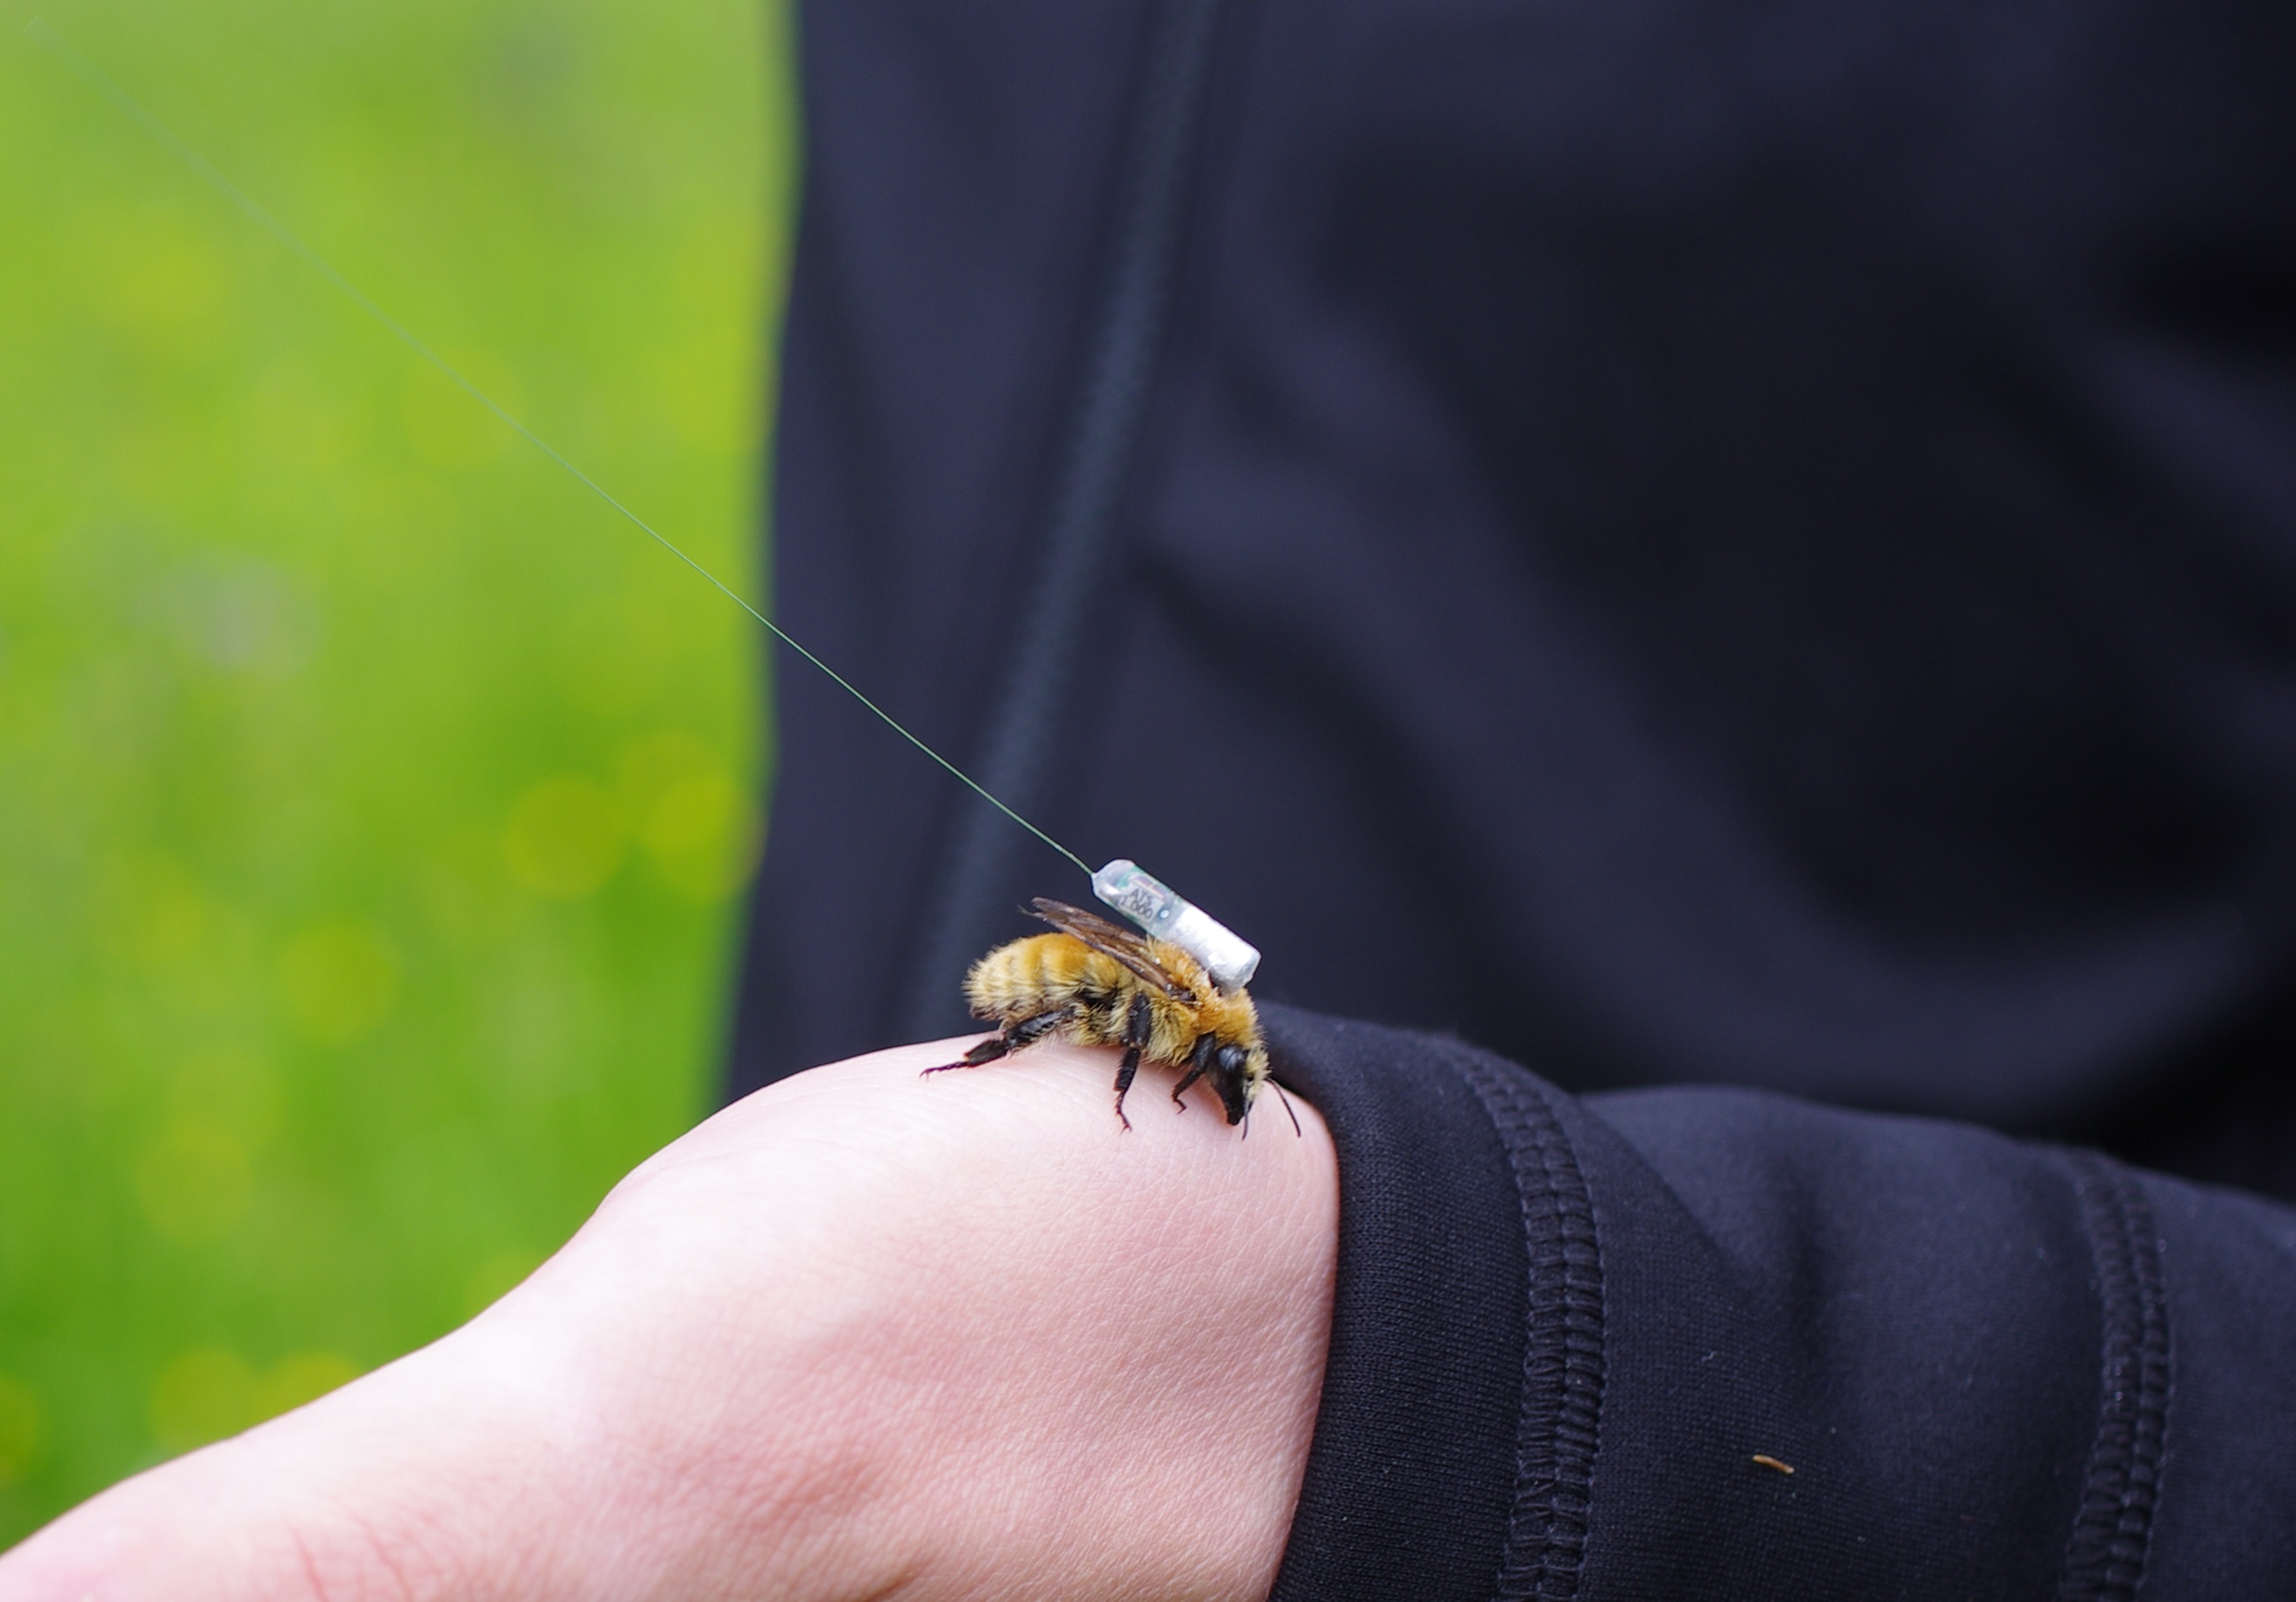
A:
861, 1335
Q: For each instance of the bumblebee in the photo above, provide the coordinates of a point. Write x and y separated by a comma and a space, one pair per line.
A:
1098, 984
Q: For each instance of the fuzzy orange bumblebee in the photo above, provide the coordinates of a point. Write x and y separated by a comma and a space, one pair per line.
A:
1097, 984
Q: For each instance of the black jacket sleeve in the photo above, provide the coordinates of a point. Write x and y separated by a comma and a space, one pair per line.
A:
1709, 1342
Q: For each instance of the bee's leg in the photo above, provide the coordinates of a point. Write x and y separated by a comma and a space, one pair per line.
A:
988, 1051
1199, 1060
1027, 1032
1139, 1024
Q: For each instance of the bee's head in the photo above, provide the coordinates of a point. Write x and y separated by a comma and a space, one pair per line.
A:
1236, 1075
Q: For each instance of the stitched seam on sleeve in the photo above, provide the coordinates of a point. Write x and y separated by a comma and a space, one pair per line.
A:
2104, 1559
1558, 1430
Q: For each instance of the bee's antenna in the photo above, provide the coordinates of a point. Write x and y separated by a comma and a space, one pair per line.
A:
129, 107
1288, 1112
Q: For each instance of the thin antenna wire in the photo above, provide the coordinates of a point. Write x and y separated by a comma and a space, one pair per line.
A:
129, 107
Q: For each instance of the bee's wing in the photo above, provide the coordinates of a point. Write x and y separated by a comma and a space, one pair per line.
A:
1111, 940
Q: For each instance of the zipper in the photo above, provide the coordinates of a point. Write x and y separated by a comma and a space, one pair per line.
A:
1125, 338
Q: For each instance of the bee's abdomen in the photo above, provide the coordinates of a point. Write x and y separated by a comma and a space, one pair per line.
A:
1041, 973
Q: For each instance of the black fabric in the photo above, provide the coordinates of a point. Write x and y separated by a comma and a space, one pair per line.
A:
1022, 746
2122, 1482
1900, 1311
1993, 1367
2222, 1528
1672, 543
1741, 544
1560, 1423
1416, 1448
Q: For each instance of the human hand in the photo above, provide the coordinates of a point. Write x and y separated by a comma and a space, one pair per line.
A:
859, 1334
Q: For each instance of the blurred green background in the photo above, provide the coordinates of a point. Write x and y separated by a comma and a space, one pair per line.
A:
373, 801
